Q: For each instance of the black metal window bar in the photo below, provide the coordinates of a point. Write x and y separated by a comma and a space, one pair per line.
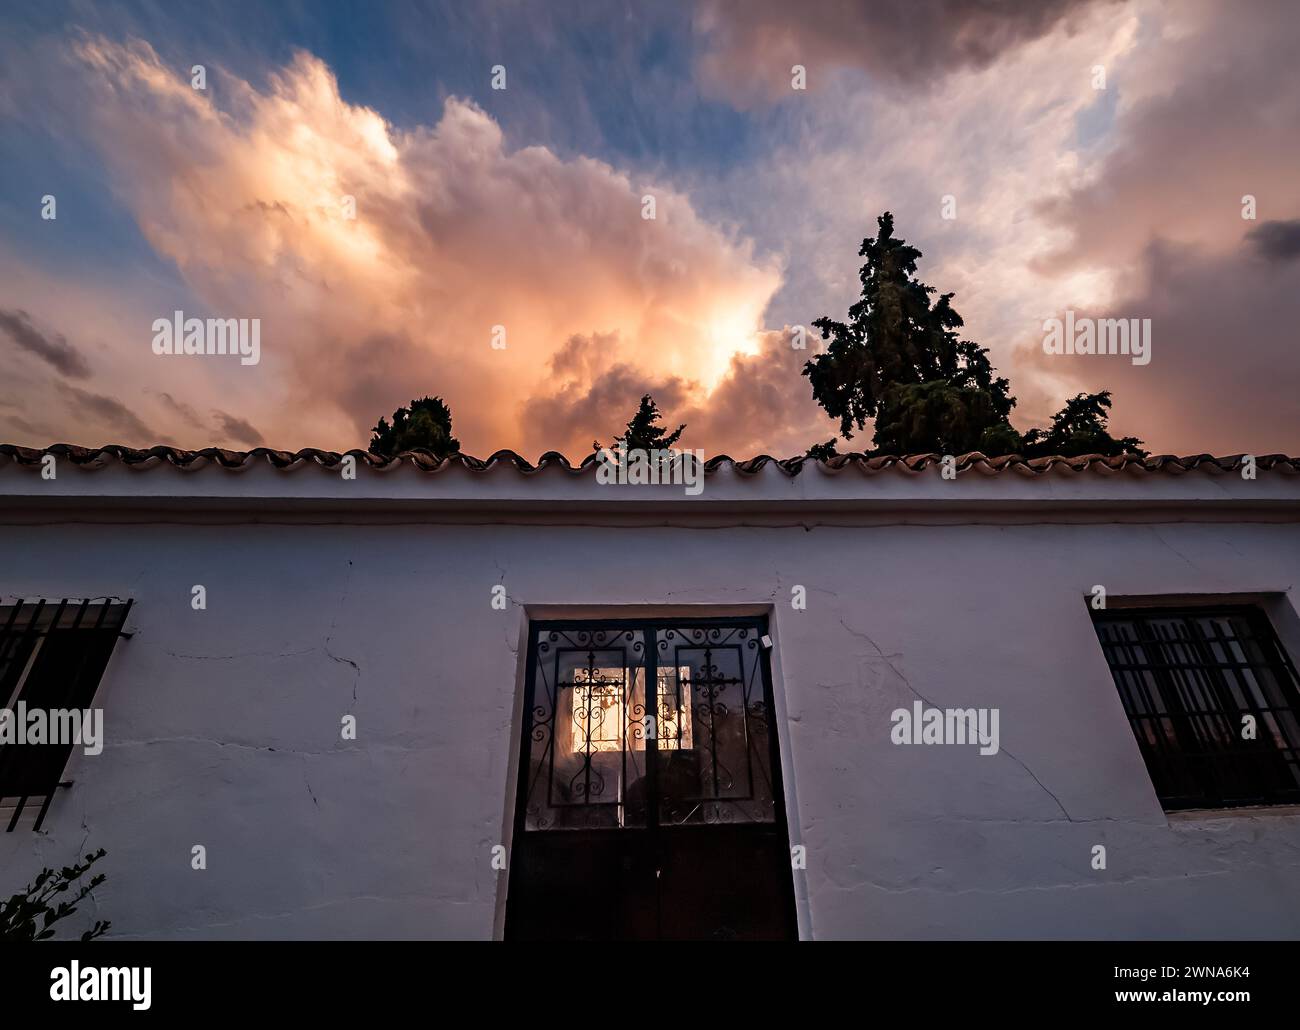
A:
596, 758
1213, 700
52, 656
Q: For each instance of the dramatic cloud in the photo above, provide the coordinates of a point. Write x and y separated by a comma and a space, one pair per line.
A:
238, 429
590, 400
454, 235
760, 404
753, 44
1222, 370
1062, 194
988, 141
763, 403
180, 408
51, 348
1165, 220
1188, 149
96, 410
1133, 200
223, 427
1277, 241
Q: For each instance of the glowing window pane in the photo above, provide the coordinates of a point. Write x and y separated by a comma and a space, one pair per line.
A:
602, 711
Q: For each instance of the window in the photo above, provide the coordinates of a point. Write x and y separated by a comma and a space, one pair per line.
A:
52, 656
604, 721
597, 759
1213, 701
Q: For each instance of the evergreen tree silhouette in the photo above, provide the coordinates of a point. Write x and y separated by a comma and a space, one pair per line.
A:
643, 431
898, 359
425, 424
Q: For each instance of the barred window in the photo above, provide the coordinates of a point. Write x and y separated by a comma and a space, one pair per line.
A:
1213, 701
52, 656
592, 727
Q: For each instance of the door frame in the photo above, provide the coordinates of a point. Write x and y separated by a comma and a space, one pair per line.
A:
540, 618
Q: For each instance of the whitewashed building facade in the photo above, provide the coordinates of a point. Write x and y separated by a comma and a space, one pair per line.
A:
484, 699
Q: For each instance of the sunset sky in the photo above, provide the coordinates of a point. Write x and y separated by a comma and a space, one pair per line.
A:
523, 207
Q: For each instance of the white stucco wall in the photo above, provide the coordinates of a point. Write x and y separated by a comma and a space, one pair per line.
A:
223, 725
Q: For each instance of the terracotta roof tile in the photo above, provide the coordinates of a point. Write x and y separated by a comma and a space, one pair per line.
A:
912, 464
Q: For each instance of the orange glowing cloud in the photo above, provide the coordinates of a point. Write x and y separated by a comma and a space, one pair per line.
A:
251, 193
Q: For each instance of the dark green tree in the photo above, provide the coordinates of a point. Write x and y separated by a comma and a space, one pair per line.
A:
29, 916
822, 451
1080, 428
898, 359
425, 424
643, 431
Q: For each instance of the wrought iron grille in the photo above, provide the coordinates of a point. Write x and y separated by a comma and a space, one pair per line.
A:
1213, 701
652, 723
52, 656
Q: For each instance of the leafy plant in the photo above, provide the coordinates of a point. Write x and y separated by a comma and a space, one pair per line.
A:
425, 424
1080, 428
822, 451
29, 916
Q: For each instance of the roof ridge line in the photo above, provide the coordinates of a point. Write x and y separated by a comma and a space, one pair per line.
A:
91, 458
